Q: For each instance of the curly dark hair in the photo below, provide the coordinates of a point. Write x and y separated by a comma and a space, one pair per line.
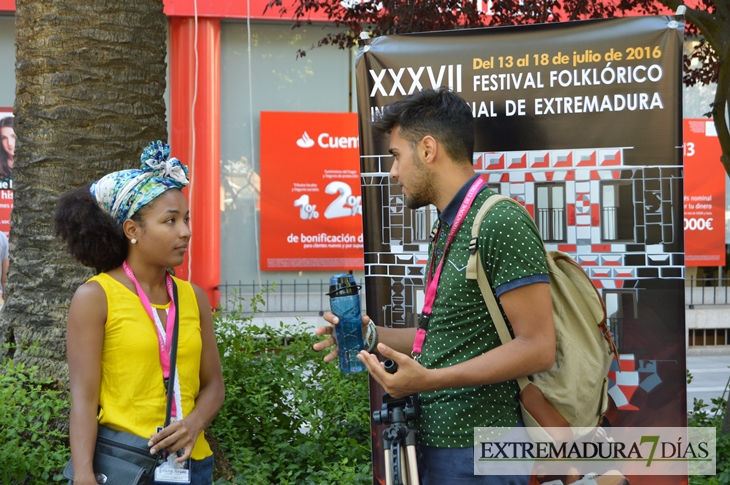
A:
93, 237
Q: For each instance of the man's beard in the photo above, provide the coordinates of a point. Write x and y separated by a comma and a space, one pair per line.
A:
423, 191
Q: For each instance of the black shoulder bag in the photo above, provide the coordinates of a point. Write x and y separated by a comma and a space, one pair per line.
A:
122, 458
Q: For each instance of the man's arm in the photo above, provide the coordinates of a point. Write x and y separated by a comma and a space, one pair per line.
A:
528, 309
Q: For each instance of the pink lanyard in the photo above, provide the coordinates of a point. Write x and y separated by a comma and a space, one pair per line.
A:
432, 279
164, 350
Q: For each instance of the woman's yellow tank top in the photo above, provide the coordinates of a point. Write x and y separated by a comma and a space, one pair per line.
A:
132, 394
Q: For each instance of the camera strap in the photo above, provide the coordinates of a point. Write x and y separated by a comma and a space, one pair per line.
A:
432, 279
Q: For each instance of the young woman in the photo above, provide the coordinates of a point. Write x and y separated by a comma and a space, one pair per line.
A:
131, 226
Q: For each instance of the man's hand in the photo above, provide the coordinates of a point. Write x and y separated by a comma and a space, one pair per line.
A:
330, 330
411, 377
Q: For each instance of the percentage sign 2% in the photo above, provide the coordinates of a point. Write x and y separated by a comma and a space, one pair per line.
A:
306, 210
355, 202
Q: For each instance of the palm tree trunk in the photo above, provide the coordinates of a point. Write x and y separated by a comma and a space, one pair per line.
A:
90, 82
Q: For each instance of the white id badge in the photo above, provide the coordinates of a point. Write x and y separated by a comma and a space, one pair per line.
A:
171, 472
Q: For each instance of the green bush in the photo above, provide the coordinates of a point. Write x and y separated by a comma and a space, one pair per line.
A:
700, 417
289, 418
33, 449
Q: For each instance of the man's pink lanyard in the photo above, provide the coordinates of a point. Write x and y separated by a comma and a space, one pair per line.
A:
161, 339
432, 280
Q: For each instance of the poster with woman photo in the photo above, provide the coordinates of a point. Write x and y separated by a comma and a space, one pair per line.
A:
7, 159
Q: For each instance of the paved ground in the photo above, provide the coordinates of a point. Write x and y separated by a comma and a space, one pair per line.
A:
710, 377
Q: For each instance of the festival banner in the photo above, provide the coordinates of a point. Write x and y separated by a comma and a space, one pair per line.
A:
704, 195
581, 123
7, 158
311, 214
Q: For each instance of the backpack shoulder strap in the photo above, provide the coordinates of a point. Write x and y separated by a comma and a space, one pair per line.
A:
471, 266
475, 271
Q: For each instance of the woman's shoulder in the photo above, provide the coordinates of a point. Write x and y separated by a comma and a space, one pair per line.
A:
195, 292
114, 284
102, 280
188, 289
184, 286
91, 293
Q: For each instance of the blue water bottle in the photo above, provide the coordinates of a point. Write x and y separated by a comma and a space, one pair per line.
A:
345, 304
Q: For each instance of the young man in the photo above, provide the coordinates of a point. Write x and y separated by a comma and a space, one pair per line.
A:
465, 377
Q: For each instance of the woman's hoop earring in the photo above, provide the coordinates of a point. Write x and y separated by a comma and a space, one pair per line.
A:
133, 241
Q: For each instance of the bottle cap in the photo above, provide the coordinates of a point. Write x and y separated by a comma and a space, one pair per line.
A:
343, 285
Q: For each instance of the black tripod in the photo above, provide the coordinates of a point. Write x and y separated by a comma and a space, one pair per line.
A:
401, 468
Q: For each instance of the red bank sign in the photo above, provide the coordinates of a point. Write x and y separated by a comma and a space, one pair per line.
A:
704, 195
311, 212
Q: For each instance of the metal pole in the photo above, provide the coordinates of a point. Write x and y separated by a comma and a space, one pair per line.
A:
388, 471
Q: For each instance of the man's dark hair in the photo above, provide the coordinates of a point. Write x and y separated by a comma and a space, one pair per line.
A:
441, 114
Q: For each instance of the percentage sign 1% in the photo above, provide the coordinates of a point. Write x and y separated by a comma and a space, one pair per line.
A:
306, 210
355, 202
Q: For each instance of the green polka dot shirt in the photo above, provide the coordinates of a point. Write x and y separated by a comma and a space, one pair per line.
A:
461, 328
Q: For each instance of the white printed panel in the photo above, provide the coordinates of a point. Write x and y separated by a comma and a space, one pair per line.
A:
583, 232
518, 188
582, 174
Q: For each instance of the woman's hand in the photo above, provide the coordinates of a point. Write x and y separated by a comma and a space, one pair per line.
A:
177, 436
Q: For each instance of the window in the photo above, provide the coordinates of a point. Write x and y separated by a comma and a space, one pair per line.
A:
709, 337
550, 211
423, 220
617, 211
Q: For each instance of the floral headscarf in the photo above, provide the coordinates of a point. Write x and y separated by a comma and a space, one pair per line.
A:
121, 194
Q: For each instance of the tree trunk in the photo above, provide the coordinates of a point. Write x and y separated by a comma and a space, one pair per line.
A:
90, 83
223, 468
